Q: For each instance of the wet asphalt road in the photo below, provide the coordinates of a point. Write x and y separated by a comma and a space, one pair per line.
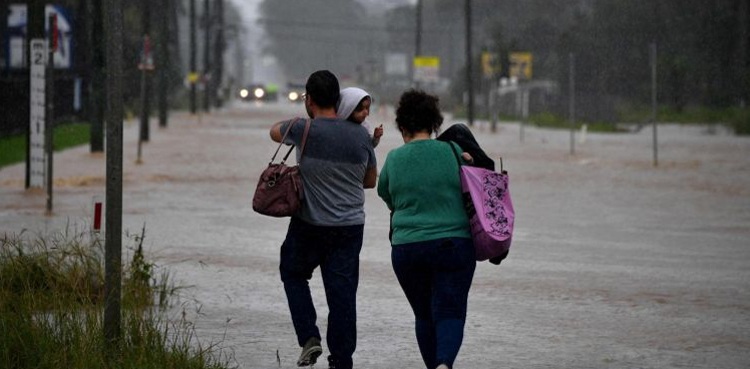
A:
615, 263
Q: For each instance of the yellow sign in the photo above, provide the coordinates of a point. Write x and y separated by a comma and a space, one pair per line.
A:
520, 65
427, 62
490, 64
193, 77
426, 68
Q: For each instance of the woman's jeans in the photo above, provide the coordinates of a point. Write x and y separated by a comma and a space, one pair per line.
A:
336, 251
436, 276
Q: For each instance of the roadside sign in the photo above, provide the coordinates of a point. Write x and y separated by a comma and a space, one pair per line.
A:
147, 58
426, 68
396, 64
192, 77
37, 158
490, 64
520, 65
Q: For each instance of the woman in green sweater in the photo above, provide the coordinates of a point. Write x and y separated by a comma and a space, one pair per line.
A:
432, 252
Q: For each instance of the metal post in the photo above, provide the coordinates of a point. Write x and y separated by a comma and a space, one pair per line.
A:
572, 101
98, 84
35, 15
653, 101
744, 84
418, 40
144, 120
145, 78
113, 212
207, 57
193, 67
523, 104
493, 103
219, 56
162, 60
49, 89
469, 79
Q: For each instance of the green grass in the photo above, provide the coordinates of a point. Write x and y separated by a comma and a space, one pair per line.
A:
735, 118
549, 120
13, 148
51, 310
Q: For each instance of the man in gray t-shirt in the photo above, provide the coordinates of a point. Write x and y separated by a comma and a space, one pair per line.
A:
337, 157
337, 165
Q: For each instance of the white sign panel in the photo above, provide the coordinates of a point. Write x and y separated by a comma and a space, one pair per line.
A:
396, 64
17, 27
38, 58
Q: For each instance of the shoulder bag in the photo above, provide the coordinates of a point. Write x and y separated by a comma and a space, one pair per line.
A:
489, 208
279, 191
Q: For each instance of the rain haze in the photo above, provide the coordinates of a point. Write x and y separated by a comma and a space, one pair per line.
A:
623, 125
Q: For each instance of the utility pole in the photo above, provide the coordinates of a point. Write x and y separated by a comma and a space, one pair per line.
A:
207, 78
4, 61
219, 55
654, 101
469, 79
572, 101
162, 60
418, 41
97, 91
146, 76
113, 213
193, 67
743, 66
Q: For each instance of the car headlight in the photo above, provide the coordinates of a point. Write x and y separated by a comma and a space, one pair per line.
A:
243, 93
259, 92
293, 96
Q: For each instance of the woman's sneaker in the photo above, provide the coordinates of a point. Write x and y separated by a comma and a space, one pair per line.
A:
310, 352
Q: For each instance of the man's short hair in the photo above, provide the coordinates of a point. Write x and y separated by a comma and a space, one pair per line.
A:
323, 88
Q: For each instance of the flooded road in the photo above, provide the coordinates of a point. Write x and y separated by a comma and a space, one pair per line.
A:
615, 263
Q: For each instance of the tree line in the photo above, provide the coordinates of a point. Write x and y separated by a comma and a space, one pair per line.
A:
702, 45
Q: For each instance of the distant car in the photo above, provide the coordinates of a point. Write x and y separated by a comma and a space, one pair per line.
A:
295, 91
259, 92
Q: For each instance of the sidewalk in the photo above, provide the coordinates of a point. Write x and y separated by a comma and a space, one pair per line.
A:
615, 263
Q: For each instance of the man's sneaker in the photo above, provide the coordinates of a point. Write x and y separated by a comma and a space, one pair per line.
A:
310, 352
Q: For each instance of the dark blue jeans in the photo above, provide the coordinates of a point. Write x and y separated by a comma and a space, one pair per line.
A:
436, 276
336, 251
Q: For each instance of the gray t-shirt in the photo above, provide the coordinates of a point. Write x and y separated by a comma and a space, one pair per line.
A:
337, 156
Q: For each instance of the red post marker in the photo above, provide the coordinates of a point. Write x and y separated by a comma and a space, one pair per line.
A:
97, 216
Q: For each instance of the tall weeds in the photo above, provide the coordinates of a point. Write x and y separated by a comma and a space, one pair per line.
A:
51, 309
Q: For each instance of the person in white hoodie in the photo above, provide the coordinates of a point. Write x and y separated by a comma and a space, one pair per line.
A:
354, 105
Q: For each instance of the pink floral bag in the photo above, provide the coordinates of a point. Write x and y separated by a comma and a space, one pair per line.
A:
489, 207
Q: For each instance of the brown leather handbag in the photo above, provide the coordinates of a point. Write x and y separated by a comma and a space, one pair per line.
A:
279, 191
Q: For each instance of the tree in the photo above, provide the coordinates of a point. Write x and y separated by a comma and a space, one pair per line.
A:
305, 36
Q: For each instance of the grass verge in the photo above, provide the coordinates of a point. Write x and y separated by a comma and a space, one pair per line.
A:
68, 135
51, 310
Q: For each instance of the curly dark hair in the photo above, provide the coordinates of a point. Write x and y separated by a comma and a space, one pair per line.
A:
418, 111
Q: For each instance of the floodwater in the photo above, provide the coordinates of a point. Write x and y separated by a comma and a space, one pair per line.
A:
615, 263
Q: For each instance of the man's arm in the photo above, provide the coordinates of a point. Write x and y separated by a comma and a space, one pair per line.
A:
371, 177
276, 132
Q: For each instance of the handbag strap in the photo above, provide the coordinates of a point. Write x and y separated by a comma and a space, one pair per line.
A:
304, 141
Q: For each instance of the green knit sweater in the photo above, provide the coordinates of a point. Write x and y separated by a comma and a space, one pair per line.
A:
419, 182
